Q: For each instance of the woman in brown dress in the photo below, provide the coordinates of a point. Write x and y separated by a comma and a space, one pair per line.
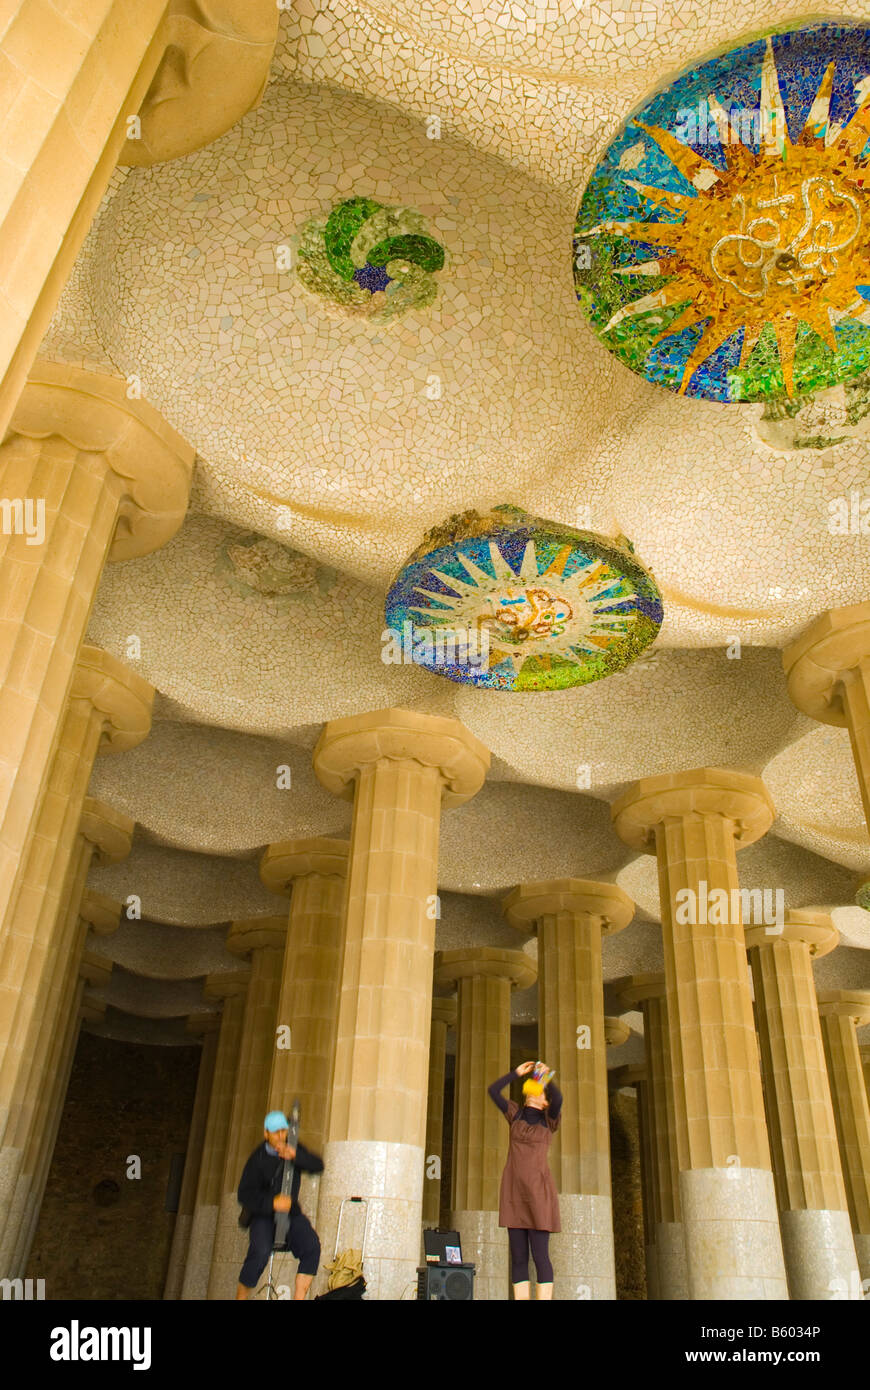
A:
528, 1203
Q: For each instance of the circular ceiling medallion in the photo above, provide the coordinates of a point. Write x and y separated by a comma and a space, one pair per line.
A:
721, 247
370, 261
512, 602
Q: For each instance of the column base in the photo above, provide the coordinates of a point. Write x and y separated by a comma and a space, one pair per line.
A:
733, 1243
10, 1211
390, 1177
673, 1276
230, 1244
862, 1250
200, 1249
178, 1255
650, 1255
819, 1255
485, 1245
582, 1252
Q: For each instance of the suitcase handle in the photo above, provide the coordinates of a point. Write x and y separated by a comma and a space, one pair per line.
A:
360, 1201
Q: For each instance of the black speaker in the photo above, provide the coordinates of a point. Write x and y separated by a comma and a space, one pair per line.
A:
445, 1281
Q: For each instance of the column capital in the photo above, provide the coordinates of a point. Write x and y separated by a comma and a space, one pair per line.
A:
526, 904
444, 1010
92, 1010
631, 990
226, 984
109, 831
201, 1023
92, 412
515, 966
101, 913
121, 696
814, 928
254, 933
704, 791
213, 71
287, 860
616, 1031
95, 969
847, 1003
347, 745
817, 662
628, 1075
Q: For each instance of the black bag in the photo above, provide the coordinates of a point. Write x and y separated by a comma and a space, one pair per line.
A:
346, 1291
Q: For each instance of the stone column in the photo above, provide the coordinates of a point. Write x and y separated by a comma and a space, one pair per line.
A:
90, 969
109, 705
443, 1018
231, 987
38, 985
113, 480
570, 917
667, 1273
69, 119
315, 872
262, 939
814, 1219
841, 1011
636, 1076
864, 1053
828, 670
696, 820
399, 768
206, 1026
484, 978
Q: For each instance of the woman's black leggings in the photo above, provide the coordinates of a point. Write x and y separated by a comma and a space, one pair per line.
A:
521, 1241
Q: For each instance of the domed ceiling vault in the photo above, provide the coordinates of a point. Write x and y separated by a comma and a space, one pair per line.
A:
330, 441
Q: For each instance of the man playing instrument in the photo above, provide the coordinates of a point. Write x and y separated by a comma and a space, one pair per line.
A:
260, 1194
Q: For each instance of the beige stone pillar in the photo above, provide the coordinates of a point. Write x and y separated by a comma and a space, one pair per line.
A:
484, 978
570, 917
443, 1018
262, 940
695, 821
636, 1076
864, 1053
74, 78
206, 1026
841, 1011
113, 480
315, 873
400, 768
828, 670
814, 1219
231, 987
667, 1274
40, 958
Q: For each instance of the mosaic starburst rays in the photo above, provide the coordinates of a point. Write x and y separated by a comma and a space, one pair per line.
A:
756, 239
517, 603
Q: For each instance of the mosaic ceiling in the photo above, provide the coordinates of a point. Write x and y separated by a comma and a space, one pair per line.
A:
332, 436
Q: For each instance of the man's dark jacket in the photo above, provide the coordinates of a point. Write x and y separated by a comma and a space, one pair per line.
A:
261, 1180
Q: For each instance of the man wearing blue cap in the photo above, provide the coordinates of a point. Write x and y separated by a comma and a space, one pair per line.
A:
260, 1194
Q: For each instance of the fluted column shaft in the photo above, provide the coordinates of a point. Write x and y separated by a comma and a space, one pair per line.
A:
193, 1156
727, 1197
817, 1237
399, 767
209, 1188
263, 939
570, 917
840, 1011
484, 978
443, 1018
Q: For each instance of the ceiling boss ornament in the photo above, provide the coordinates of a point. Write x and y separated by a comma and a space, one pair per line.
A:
721, 246
366, 260
510, 601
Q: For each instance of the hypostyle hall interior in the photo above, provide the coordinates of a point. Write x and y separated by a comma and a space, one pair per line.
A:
434, 650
